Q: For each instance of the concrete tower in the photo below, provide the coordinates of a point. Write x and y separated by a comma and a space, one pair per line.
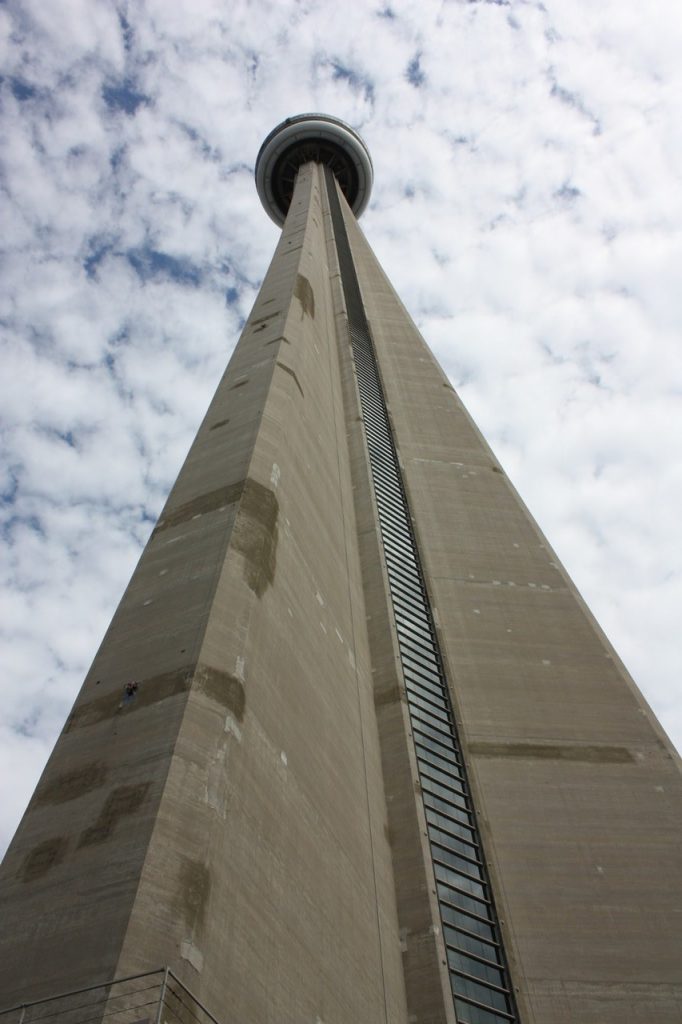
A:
353, 749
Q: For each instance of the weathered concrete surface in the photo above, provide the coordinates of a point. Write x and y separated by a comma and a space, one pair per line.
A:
229, 819
427, 984
249, 814
578, 790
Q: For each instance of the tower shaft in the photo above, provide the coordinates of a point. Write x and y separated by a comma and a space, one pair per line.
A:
229, 819
353, 748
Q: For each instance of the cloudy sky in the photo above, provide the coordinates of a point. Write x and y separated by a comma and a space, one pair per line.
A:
527, 206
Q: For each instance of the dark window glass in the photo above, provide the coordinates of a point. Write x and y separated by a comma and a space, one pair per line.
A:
397, 552
413, 626
382, 456
367, 382
373, 415
406, 584
397, 507
419, 650
413, 661
368, 386
419, 620
374, 424
461, 939
396, 521
420, 658
453, 842
428, 713
400, 559
398, 532
421, 653
409, 614
450, 826
407, 598
373, 419
436, 803
448, 764
444, 791
412, 589
428, 691
462, 901
454, 916
460, 881
430, 681
442, 748
372, 410
429, 723
402, 544
468, 1014
431, 708
448, 856
389, 493
389, 508
403, 575
474, 990
404, 552
427, 728
386, 481
460, 962
447, 778
404, 559
388, 489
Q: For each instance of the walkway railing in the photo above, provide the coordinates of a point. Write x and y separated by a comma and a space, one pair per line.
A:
156, 997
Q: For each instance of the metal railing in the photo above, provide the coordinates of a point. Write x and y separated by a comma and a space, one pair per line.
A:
155, 997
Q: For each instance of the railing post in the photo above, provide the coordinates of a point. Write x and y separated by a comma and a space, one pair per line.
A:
22, 1014
162, 995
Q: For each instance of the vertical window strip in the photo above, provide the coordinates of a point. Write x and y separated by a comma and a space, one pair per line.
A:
406, 573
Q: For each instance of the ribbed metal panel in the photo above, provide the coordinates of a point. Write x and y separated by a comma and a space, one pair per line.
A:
478, 973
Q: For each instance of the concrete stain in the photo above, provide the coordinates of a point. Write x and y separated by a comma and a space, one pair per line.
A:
220, 423
150, 691
223, 688
121, 802
264, 319
304, 293
70, 785
208, 502
389, 696
193, 891
43, 857
552, 752
287, 369
255, 535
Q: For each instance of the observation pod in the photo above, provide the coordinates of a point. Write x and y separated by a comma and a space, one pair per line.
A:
322, 139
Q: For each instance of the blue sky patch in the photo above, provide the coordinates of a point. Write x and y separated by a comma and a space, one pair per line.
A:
22, 90
414, 74
150, 263
123, 97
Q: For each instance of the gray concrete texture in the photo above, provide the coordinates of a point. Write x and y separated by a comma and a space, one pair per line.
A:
578, 789
229, 820
251, 815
